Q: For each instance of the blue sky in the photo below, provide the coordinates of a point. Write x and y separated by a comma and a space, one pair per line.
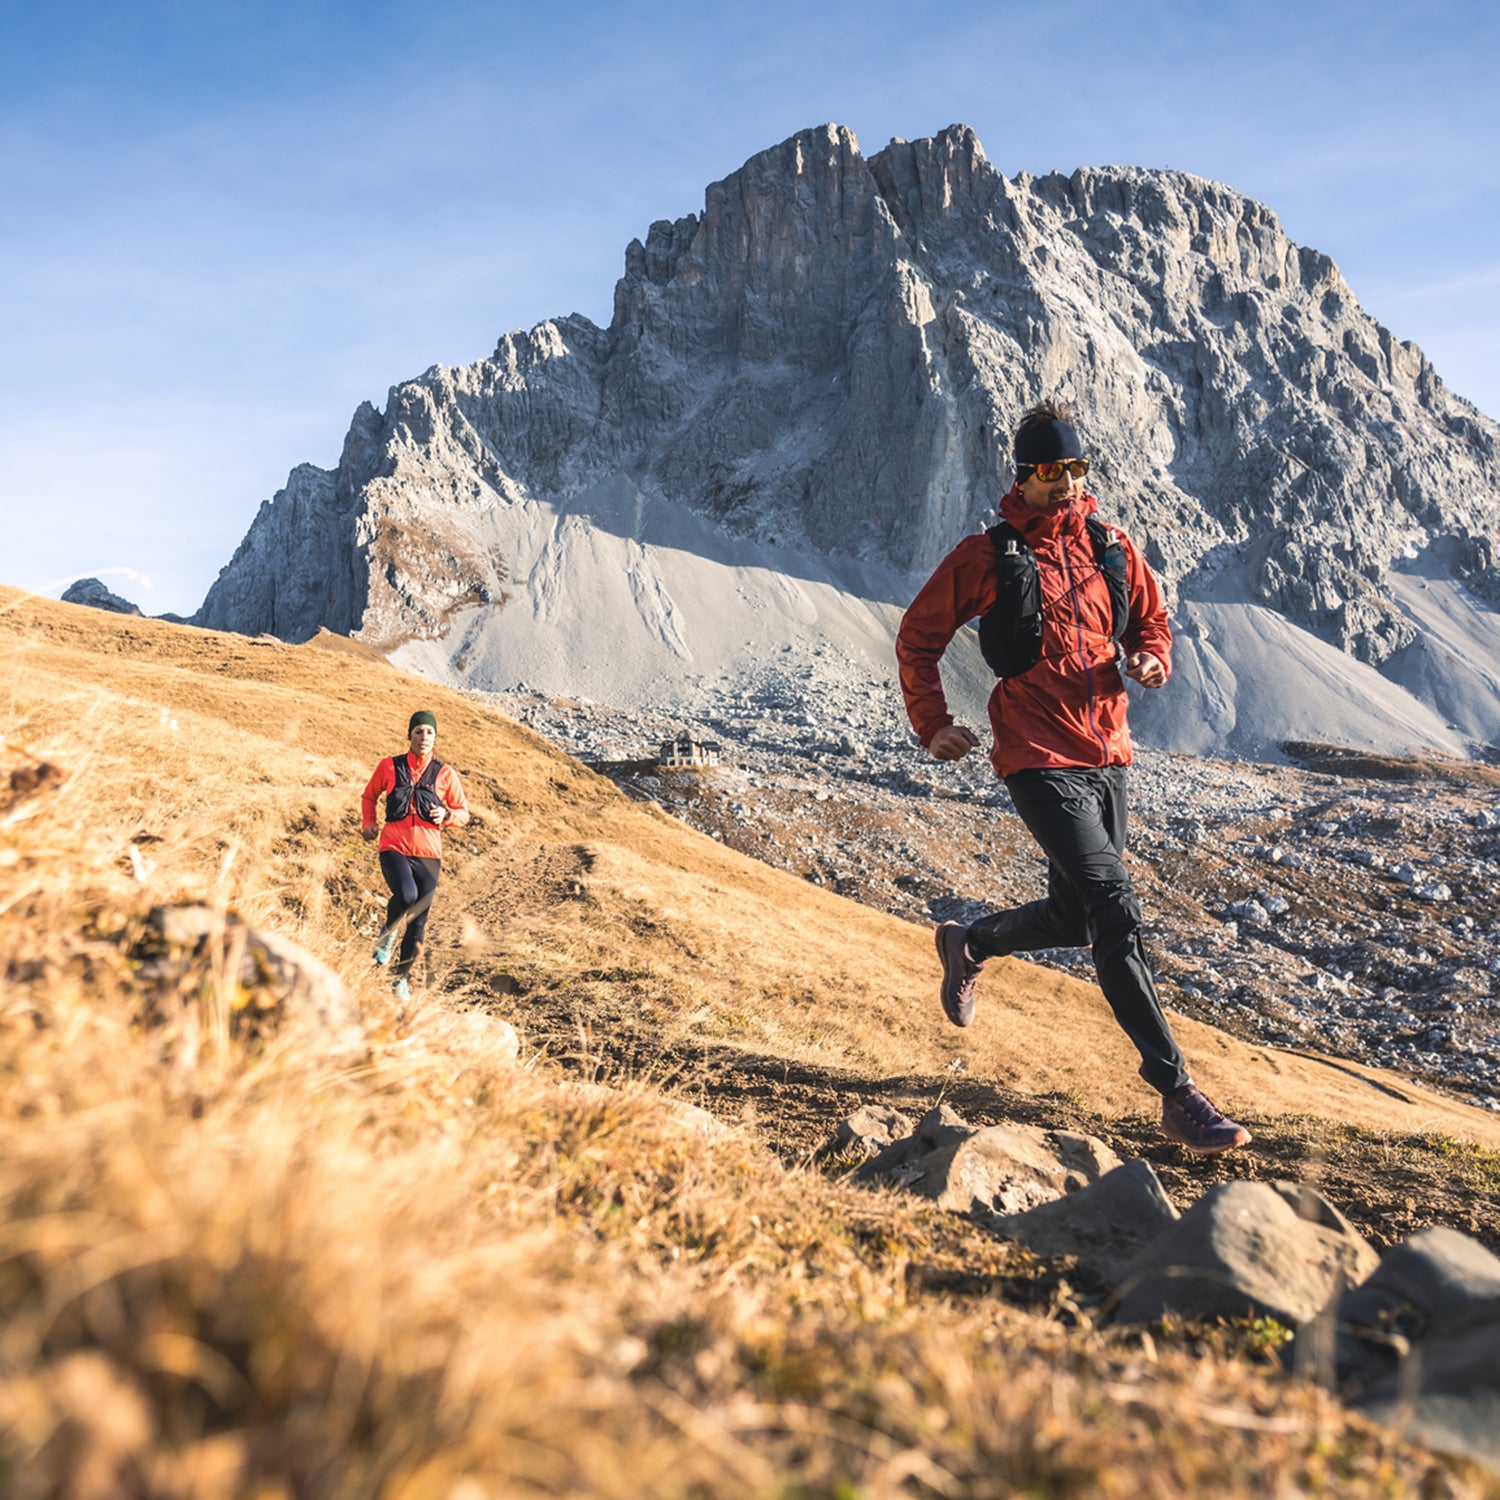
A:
224, 226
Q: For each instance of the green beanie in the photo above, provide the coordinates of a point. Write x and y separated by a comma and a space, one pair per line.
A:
422, 717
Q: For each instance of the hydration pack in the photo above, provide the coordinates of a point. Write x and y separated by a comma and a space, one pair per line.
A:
1010, 634
399, 799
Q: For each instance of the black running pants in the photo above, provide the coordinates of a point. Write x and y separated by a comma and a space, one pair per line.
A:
1078, 817
412, 880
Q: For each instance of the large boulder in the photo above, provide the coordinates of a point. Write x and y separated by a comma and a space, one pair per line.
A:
1418, 1343
1247, 1249
1105, 1225
991, 1169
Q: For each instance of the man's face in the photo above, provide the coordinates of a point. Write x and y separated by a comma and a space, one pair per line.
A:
1043, 494
423, 737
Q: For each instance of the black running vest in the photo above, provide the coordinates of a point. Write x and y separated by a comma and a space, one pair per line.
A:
1010, 634
399, 799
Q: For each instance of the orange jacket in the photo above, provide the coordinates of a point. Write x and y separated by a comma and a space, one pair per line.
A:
413, 835
1069, 709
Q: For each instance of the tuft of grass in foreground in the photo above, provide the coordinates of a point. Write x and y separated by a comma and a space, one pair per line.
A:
437, 1275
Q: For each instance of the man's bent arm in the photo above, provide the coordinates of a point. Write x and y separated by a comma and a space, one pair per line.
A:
1148, 630
962, 588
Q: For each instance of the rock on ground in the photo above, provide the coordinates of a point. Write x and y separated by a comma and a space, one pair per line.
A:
989, 1169
1105, 1225
269, 983
1247, 1248
867, 1132
1418, 1343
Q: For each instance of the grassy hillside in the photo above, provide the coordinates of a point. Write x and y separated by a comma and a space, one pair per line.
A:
253, 1272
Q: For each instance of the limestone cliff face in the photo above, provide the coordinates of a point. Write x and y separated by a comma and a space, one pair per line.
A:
826, 364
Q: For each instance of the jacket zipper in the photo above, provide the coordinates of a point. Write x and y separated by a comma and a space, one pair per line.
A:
1083, 660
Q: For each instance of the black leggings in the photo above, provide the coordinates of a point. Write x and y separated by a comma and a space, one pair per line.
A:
1078, 817
410, 879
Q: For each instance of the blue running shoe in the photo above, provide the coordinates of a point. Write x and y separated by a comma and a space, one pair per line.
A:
402, 989
384, 948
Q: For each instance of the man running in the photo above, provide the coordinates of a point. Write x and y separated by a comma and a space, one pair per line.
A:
422, 796
1061, 744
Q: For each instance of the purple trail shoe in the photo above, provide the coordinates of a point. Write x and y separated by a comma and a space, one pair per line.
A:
1190, 1117
959, 972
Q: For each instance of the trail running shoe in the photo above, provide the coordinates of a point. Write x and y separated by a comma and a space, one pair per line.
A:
1190, 1117
959, 972
402, 989
384, 948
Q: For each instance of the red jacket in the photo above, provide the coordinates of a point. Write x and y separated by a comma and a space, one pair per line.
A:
413, 836
1069, 709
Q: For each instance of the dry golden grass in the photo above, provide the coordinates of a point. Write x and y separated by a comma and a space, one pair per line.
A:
435, 1274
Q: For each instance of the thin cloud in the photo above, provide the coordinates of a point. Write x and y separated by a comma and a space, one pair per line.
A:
1482, 280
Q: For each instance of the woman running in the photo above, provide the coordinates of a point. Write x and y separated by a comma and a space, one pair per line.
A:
422, 795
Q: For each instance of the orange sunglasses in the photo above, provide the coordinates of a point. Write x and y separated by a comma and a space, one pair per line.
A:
1050, 473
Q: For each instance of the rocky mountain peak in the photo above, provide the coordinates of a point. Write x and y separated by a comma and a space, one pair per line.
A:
804, 398
93, 593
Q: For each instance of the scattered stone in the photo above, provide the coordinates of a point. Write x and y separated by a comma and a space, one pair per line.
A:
486, 1038
867, 1131
993, 1169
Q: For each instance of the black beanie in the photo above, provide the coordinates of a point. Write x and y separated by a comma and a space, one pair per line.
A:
1046, 443
422, 717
